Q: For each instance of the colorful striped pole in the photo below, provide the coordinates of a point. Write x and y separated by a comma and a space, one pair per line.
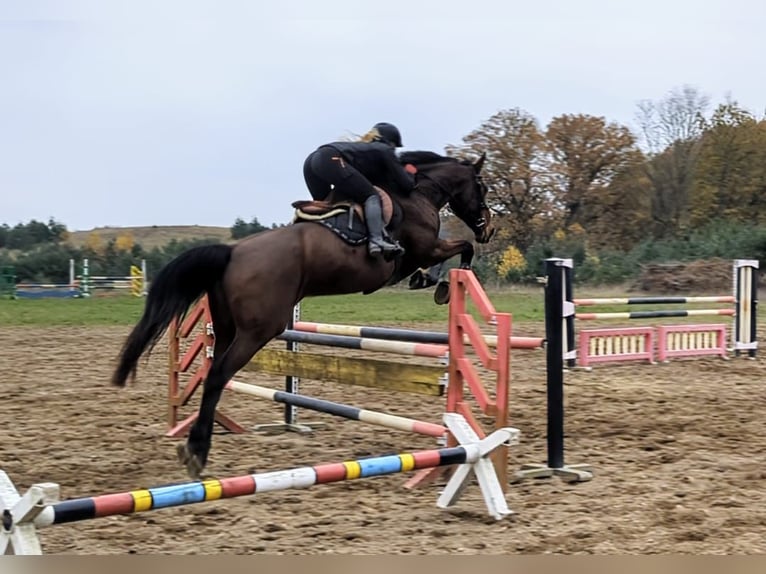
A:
39, 508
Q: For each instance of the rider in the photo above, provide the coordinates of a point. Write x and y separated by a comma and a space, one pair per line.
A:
353, 168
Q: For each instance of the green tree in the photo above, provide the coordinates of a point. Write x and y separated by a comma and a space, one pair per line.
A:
242, 229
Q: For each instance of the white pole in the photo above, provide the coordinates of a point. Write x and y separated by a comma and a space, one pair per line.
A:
72, 286
85, 286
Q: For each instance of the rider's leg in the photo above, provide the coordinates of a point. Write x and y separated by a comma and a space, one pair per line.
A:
373, 215
319, 187
357, 188
328, 165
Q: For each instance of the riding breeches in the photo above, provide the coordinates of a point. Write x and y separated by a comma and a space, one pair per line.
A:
325, 170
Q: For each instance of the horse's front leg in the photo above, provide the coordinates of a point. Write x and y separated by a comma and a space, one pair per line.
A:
446, 249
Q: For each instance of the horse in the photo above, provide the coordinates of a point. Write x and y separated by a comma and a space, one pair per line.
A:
253, 285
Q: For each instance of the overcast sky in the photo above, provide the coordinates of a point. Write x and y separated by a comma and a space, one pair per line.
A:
177, 112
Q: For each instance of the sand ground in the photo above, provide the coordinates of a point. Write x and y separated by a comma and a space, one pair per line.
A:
678, 452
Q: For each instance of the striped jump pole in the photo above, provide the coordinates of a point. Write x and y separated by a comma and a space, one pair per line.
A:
40, 507
366, 344
653, 300
135, 281
409, 335
654, 314
340, 410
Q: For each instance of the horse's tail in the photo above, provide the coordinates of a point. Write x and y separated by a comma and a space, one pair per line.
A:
179, 284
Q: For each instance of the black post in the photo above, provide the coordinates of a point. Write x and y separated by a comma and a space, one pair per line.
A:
554, 335
291, 382
558, 307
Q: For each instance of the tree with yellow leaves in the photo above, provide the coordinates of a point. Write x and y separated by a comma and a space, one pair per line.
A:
124, 242
95, 243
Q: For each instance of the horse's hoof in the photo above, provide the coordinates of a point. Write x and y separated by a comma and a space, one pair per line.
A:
441, 293
417, 280
191, 461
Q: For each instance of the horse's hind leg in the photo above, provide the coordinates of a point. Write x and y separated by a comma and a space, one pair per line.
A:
224, 331
194, 453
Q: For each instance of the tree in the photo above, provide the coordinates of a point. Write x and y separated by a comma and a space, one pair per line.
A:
625, 210
124, 242
58, 231
731, 169
515, 172
586, 155
671, 130
95, 243
242, 229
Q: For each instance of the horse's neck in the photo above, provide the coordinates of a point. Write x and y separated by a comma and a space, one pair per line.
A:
432, 192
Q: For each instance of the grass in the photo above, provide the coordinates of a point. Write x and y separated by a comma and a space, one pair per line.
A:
122, 310
391, 307
386, 307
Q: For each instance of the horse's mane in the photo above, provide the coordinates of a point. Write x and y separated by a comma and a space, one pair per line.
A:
424, 158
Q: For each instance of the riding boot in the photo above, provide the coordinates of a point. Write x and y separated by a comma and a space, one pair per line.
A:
373, 215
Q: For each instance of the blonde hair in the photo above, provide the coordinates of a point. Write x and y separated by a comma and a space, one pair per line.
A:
371, 136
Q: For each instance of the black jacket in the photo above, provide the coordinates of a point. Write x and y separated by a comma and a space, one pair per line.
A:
378, 162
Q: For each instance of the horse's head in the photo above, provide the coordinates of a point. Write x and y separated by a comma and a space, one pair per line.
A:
457, 183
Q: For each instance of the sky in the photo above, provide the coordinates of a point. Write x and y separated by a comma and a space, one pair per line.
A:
183, 112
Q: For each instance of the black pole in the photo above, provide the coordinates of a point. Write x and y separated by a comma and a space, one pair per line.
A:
554, 331
291, 382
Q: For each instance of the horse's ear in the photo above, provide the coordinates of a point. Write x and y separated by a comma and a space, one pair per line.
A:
477, 165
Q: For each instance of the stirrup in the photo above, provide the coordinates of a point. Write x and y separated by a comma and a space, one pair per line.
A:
383, 246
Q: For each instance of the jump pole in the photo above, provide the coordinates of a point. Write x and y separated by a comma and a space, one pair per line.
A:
366, 344
337, 409
40, 506
409, 335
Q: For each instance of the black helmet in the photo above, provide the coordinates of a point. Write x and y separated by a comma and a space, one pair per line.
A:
389, 133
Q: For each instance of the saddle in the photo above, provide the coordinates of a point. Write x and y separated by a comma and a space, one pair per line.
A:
344, 218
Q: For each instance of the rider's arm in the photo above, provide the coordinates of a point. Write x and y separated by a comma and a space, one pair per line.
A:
404, 180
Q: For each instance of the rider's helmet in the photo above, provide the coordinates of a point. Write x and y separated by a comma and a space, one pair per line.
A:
388, 133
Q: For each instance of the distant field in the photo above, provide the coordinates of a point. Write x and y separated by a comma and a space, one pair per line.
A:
154, 235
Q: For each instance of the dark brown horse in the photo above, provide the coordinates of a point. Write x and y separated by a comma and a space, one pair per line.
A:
252, 286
